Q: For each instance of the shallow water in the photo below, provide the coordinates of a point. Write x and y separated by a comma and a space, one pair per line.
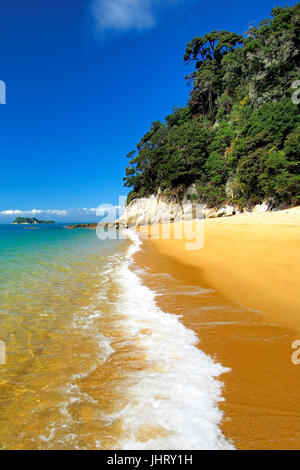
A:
50, 281
91, 361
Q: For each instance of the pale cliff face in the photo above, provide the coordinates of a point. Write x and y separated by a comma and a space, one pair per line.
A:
159, 209
151, 210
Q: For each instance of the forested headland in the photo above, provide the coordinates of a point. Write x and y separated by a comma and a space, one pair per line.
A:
238, 137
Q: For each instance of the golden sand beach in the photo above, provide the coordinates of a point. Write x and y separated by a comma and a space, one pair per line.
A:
249, 321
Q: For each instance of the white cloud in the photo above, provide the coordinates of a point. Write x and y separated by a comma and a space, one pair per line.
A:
126, 15
93, 214
123, 15
11, 212
33, 212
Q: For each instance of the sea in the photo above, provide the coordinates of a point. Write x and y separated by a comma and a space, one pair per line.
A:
91, 361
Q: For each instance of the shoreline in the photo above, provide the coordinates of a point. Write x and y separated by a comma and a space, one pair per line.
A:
172, 400
261, 409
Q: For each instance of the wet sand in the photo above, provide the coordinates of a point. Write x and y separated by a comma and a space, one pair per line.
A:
251, 263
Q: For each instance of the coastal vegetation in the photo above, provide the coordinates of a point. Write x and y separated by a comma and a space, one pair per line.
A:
31, 220
238, 137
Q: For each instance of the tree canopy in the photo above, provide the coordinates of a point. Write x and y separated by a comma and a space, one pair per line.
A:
238, 137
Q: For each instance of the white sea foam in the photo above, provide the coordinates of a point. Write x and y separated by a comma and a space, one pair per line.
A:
177, 392
106, 349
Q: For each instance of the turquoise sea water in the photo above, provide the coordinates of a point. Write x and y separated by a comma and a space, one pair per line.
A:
91, 361
46, 263
50, 279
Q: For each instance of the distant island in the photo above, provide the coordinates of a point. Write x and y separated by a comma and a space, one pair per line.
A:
33, 220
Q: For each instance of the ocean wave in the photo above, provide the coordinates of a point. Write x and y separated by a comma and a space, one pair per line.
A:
173, 400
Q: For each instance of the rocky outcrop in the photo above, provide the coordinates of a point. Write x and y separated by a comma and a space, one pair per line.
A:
153, 210
261, 208
89, 226
160, 209
226, 211
94, 226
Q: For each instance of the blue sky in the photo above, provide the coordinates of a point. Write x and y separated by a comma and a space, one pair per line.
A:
85, 79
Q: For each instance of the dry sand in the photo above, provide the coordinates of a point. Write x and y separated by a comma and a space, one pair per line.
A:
249, 323
253, 260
